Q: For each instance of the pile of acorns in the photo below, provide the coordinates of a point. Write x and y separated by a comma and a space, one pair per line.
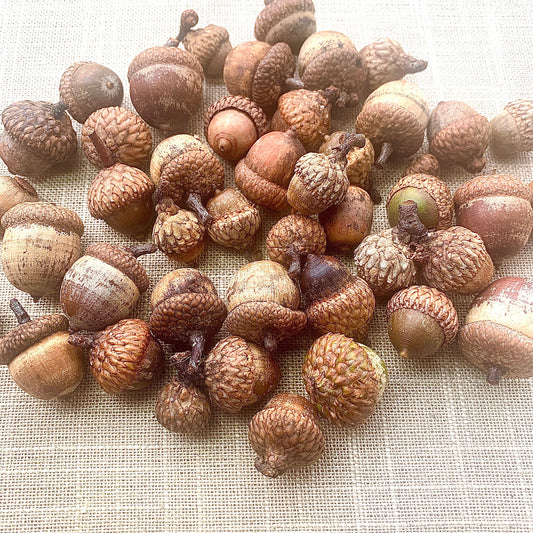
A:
277, 129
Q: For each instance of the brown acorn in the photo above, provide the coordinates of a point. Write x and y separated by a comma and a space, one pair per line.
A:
330, 59
264, 174
498, 208
263, 304
423, 164
458, 134
421, 320
14, 190
38, 356
287, 21
239, 373
232, 124
292, 238
87, 86
37, 136
498, 335
285, 435
344, 379
511, 131
123, 357
335, 300
387, 61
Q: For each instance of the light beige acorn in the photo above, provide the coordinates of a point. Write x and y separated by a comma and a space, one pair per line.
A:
14, 190
511, 131
41, 242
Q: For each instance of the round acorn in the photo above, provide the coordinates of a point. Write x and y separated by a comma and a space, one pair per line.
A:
511, 131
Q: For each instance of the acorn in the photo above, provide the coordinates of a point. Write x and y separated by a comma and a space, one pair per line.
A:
125, 136
37, 136
104, 285
498, 335
166, 83
344, 379
292, 238
287, 21
421, 320
511, 132
41, 242
320, 180
239, 373
285, 435
87, 86
123, 357
335, 300
14, 190
234, 220
263, 304
264, 174
260, 72
458, 134
39, 358
423, 164
349, 222
330, 59
498, 208
394, 117
232, 124
387, 61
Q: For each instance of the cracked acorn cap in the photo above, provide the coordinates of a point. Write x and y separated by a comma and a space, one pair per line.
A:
344, 379
511, 132
285, 435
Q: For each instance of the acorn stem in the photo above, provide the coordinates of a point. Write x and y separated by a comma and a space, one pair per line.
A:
103, 151
197, 340
295, 267
59, 108
375, 195
194, 202
271, 464
386, 152
413, 65
409, 225
141, 249
351, 140
270, 343
332, 94
494, 374
84, 340
189, 19
292, 84
19, 311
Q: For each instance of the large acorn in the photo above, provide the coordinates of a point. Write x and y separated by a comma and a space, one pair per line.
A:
511, 131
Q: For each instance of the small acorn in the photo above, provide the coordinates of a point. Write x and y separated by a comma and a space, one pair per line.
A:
264, 174
123, 357
234, 220
511, 132
87, 86
458, 134
292, 238
232, 124
387, 61
39, 358
285, 435
421, 320
423, 164
335, 300
498, 208
344, 379
239, 373
37, 136
14, 190
263, 304
287, 21
41, 242
498, 335
104, 285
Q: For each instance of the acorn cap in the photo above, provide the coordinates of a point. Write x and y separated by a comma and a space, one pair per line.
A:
42, 129
46, 214
205, 43
423, 164
512, 130
236, 229
492, 185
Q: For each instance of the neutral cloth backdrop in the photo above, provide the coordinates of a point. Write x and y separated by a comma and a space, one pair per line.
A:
444, 450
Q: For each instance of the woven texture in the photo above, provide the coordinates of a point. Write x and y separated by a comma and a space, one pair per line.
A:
444, 451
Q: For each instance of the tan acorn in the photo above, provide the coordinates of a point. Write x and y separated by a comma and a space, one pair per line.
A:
344, 379
41, 242
423, 164
420, 321
287, 21
264, 174
123, 357
511, 132
239, 373
37, 136
292, 238
39, 358
498, 208
458, 134
14, 190
232, 125
263, 304
285, 435
387, 61
235, 220
87, 86
335, 300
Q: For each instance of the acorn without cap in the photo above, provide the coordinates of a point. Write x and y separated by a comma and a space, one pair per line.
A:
511, 131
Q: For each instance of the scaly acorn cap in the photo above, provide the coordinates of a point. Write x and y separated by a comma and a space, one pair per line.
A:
423, 164
512, 130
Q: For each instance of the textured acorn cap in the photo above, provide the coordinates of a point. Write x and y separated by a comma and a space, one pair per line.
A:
210, 45
512, 130
492, 185
423, 164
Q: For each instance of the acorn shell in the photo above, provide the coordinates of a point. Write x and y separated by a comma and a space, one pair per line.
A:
511, 131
